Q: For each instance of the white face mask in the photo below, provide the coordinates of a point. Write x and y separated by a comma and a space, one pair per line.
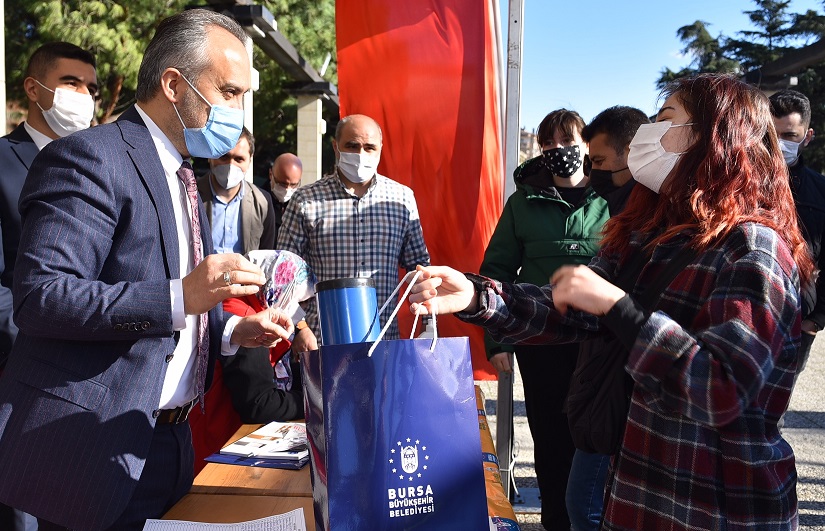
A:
71, 111
282, 193
648, 160
357, 167
228, 175
790, 150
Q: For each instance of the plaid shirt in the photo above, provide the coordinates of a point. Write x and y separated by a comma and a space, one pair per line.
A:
342, 236
701, 449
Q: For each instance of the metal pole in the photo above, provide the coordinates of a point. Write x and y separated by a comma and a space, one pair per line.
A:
515, 41
3, 68
504, 406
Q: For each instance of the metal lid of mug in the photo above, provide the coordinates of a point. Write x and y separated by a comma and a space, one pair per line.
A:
338, 283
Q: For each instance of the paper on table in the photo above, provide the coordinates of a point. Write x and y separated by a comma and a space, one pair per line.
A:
291, 521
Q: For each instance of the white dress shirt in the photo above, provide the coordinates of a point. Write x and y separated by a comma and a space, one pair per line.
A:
40, 140
179, 384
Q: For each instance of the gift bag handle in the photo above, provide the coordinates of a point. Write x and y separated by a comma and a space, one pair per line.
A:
415, 275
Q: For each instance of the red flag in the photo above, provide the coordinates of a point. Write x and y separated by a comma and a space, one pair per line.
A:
426, 71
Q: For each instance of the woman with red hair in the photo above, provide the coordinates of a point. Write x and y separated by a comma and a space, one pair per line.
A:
713, 364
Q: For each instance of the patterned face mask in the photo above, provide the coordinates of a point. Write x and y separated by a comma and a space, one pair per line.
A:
563, 161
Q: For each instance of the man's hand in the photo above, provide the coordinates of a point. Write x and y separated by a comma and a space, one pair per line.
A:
580, 288
263, 329
304, 341
809, 327
206, 286
502, 361
441, 290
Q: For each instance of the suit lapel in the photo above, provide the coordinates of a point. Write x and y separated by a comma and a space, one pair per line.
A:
145, 157
23, 146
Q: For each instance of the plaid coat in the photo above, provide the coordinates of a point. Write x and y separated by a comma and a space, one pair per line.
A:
713, 368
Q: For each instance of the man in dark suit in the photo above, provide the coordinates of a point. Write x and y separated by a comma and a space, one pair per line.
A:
114, 274
55, 67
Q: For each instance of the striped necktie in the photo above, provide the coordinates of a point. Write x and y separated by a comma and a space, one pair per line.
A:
187, 177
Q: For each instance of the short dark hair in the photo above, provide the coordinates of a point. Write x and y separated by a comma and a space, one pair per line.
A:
562, 120
619, 123
181, 42
790, 101
44, 57
247, 134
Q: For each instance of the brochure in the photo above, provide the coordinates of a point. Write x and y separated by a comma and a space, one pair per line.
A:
276, 440
289, 464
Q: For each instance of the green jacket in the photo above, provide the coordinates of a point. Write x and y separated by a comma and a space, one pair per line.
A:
538, 232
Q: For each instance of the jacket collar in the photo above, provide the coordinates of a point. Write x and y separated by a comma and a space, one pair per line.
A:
144, 155
23, 145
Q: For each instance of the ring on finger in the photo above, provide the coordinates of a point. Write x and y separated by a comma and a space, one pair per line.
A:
227, 278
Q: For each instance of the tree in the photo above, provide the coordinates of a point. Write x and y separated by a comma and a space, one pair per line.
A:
118, 31
776, 32
766, 43
707, 53
310, 27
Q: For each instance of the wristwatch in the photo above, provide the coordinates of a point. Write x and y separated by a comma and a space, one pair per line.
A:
301, 325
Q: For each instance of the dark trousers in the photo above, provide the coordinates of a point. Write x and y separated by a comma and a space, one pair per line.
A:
545, 372
167, 477
807, 341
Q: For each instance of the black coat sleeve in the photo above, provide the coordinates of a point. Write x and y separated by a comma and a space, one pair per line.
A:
249, 377
270, 222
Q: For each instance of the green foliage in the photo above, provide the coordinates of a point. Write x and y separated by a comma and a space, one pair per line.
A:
706, 51
118, 31
310, 27
768, 42
776, 31
115, 31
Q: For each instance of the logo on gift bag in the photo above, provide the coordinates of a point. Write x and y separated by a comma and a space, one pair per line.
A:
406, 455
409, 459
414, 496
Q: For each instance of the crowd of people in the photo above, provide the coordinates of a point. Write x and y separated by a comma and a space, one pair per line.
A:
117, 307
713, 363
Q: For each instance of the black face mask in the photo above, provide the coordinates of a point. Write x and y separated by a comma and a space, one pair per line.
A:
564, 161
602, 181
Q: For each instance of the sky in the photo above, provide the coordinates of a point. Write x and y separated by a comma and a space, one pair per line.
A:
588, 55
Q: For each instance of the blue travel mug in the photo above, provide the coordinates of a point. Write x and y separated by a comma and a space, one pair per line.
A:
347, 310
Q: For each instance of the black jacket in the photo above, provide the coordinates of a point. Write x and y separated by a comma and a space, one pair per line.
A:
808, 189
249, 378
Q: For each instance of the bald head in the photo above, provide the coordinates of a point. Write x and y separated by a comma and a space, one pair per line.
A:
286, 171
361, 135
357, 121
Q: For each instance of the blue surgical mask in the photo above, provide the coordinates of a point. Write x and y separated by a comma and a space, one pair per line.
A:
220, 133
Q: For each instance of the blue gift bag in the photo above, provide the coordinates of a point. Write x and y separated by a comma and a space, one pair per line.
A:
394, 437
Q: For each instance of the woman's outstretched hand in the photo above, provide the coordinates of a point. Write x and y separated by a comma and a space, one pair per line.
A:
580, 288
441, 290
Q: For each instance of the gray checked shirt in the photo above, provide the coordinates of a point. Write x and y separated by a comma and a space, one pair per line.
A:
340, 235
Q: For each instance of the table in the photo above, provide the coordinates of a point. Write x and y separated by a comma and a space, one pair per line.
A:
228, 508
252, 481
229, 493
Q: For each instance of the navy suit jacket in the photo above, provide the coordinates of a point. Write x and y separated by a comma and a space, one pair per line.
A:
17, 151
92, 302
